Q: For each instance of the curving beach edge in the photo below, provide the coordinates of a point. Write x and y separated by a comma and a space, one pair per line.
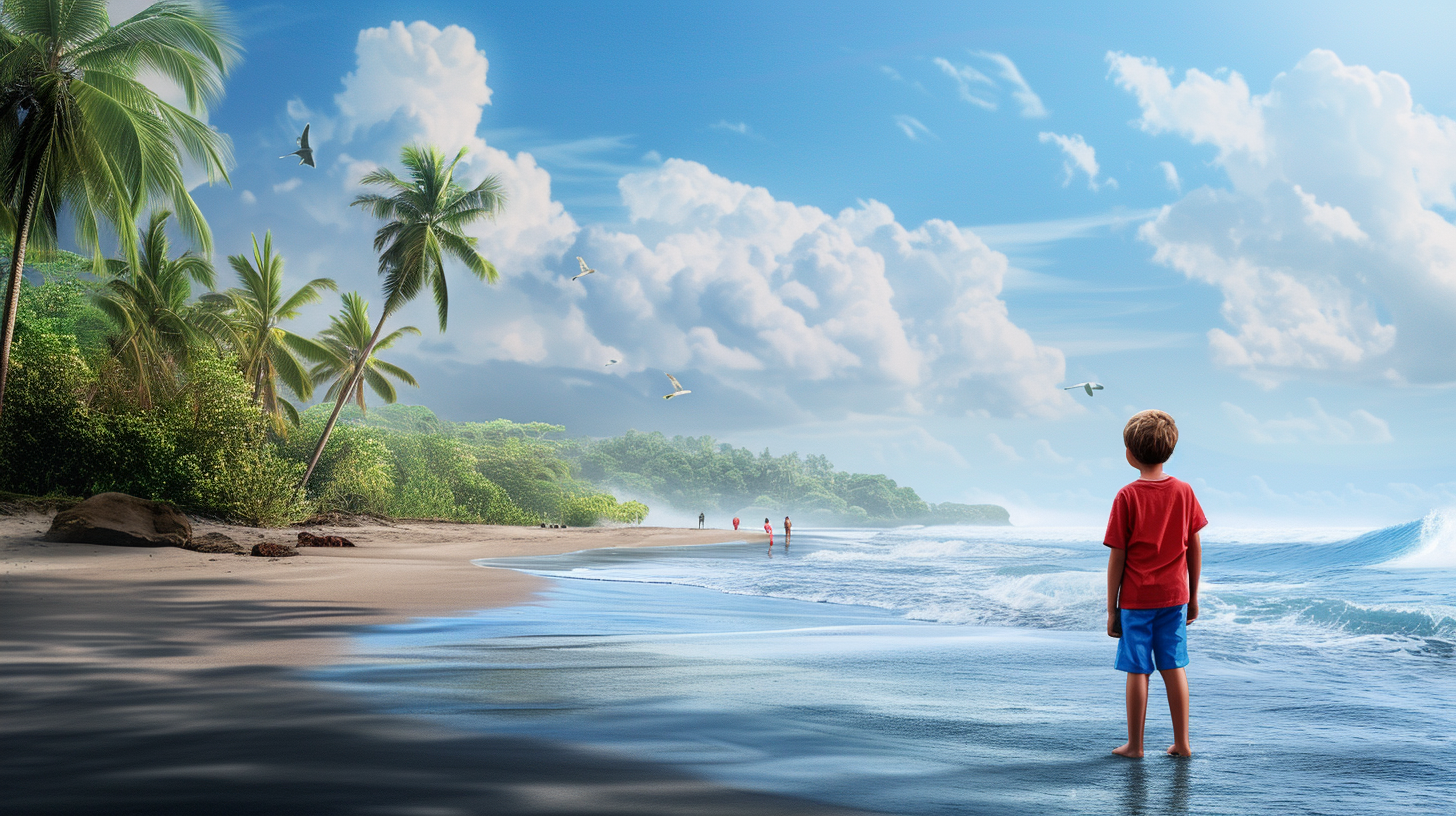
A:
169, 681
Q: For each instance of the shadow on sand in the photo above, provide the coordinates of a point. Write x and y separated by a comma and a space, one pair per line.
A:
110, 703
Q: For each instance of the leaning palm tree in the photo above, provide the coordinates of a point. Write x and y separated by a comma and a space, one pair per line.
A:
159, 327
425, 215
351, 345
80, 131
267, 353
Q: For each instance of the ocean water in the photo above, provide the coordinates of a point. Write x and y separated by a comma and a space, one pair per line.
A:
964, 670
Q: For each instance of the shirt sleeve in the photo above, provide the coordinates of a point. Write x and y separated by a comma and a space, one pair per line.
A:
1119, 523
1196, 520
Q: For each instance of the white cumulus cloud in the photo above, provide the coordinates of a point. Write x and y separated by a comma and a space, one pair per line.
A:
847, 312
1320, 427
1328, 243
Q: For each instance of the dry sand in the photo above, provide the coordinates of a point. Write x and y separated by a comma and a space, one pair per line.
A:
164, 681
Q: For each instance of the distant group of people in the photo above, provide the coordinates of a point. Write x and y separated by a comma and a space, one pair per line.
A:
767, 528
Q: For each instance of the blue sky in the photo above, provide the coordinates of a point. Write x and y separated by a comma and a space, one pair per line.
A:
892, 235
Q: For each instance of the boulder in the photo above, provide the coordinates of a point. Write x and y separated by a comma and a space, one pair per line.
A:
273, 549
311, 540
213, 543
121, 520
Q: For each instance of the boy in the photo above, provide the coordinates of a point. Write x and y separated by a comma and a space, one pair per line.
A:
1152, 577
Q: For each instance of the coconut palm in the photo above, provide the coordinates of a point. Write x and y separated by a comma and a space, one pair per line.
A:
159, 327
425, 214
80, 131
267, 353
348, 341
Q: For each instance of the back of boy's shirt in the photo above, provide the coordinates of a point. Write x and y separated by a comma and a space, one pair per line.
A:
1153, 521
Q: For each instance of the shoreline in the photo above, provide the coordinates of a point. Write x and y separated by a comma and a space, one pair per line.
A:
397, 571
163, 681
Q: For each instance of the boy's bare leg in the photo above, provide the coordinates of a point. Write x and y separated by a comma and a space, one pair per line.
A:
1137, 712
1177, 683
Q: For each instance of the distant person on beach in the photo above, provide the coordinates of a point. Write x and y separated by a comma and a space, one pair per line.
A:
735, 524
788, 525
768, 528
701, 519
1152, 577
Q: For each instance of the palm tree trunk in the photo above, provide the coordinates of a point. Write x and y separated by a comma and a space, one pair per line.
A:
12, 288
344, 394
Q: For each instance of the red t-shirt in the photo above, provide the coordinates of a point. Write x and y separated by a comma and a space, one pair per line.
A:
1153, 521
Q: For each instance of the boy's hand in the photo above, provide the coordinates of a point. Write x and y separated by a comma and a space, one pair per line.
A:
1112, 621
1192, 609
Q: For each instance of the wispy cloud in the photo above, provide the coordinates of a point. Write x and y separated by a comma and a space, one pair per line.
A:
287, 186
1010, 238
898, 77
1080, 156
966, 78
1170, 175
1319, 427
741, 128
1003, 449
912, 127
1026, 98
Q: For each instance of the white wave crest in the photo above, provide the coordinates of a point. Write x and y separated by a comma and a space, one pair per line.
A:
1437, 549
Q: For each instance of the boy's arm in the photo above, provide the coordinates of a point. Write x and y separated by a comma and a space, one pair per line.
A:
1195, 566
1115, 559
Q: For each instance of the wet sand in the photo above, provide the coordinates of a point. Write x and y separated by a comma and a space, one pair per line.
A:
163, 681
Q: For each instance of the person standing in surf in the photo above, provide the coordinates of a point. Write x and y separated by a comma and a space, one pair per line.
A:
768, 528
788, 525
1152, 577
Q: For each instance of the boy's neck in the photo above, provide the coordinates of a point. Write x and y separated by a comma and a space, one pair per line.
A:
1151, 474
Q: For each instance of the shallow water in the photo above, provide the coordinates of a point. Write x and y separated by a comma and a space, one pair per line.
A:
963, 670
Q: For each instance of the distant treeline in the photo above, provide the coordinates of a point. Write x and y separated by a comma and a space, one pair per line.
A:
693, 474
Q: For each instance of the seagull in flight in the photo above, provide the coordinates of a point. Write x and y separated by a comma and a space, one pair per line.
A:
584, 269
677, 389
304, 152
1089, 387
612, 362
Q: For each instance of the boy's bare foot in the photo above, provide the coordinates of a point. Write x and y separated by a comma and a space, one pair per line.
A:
1126, 750
1179, 751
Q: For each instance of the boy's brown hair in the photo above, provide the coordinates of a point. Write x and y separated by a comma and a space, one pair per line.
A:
1150, 436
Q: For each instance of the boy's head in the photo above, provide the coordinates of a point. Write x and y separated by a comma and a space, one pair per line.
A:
1150, 437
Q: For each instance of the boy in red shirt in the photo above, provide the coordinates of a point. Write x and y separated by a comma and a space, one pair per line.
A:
1152, 577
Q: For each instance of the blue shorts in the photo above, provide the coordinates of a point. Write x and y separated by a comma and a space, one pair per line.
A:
1153, 638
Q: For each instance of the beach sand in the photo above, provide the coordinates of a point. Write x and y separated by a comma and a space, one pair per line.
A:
164, 681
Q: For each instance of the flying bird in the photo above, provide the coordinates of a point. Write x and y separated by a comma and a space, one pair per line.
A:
612, 362
584, 269
677, 389
1089, 387
304, 152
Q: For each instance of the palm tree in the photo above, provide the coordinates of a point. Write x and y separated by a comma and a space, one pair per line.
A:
348, 340
425, 215
80, 131
267, 353
150, 304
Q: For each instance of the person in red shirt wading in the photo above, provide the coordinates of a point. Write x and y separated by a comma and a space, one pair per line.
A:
1152, 577
768, 528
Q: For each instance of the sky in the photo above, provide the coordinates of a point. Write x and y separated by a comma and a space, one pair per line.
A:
894, 235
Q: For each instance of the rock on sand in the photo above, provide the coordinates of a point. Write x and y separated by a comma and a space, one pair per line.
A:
121, 520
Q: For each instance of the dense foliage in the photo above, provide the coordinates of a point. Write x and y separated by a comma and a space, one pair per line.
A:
203, 440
